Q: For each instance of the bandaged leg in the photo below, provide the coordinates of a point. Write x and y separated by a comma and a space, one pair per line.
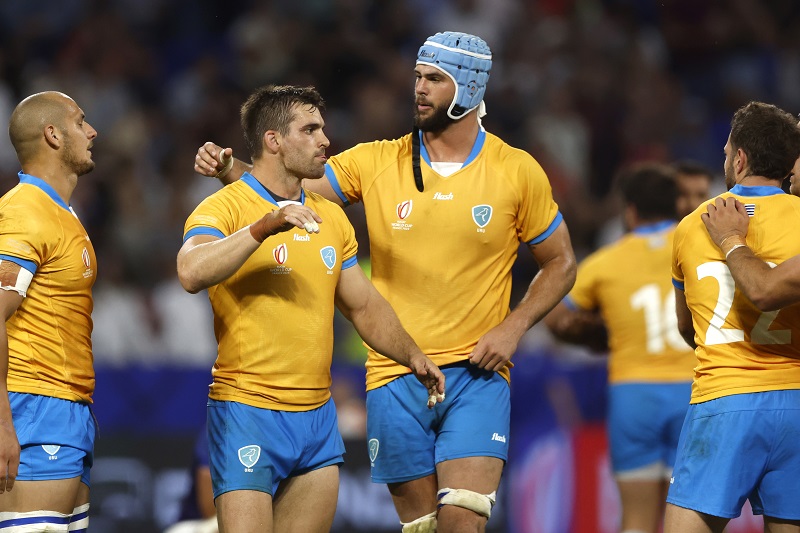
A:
79, 521
475, 502
423, 524
34, 522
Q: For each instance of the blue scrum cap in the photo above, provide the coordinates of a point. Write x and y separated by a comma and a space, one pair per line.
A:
467, 59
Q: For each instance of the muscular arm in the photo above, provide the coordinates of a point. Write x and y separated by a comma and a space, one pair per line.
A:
206, 260
9, 444
768, 288
555, 278
685, 325
377, 323
211, 160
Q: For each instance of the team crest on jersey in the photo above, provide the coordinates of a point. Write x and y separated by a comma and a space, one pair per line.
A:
482, 214
374, 445
249, 455
403, 211
328, 256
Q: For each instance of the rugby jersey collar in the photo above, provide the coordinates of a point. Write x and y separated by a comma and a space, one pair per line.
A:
43, 185
647, 229
476, 148
758, 190
262, 191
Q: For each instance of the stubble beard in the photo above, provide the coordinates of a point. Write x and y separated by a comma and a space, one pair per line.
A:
76, 165
437, 122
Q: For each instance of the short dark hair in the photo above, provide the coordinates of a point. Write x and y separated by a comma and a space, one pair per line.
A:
693, 168
651, 189
770, 138
270, 108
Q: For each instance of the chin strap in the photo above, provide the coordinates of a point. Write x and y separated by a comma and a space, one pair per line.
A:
415, 163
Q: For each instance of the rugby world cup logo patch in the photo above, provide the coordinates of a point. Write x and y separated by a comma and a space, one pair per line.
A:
328, 256
249, 455
85, 256
404, 209
374, 445
482, 214
280, 254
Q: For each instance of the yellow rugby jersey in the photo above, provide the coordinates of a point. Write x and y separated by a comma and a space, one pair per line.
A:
49, 336
739, 349
628, 282
443, 257
273, 318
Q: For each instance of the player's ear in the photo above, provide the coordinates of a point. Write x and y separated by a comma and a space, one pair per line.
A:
272, 141
52, 136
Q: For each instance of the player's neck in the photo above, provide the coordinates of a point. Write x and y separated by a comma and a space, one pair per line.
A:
277, 180
454, 143
757, 181
54, 175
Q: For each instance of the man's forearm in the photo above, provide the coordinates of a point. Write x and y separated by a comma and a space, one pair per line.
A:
207, 264
239, 167
550, 285
768, 288
379, 326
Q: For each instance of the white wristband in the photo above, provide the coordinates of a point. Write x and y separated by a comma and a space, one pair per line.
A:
735, 246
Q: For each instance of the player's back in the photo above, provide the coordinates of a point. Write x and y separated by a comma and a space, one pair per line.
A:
629, 283
740, 349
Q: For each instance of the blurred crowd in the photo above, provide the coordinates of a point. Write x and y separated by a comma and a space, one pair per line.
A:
586, 86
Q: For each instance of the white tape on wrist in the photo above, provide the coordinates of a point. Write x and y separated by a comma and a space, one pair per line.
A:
227, 168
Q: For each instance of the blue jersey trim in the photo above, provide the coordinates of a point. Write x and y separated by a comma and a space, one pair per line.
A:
50, 191
351, 262
262, 191
571, 305
30, 266
677, 284
476, 148
204, 230
759, 190
331, 175
653, 228
550, 229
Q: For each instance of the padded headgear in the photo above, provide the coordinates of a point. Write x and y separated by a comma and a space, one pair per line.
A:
467, 59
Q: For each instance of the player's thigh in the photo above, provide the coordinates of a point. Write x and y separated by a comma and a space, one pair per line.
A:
244, 511
776, 525
478, 474
414, 498
682, 520
307, 503
58, 495
642, 504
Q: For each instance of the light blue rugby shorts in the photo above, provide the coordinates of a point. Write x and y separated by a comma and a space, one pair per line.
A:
644, 423
738, 447
406, 440
56, 437
251, 448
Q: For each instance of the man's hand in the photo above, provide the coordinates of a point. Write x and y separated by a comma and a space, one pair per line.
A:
495, 348
284, 219
213, 161
9, 455
726, 222
429, 375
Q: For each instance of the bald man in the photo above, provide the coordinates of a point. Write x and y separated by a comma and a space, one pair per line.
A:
47, 269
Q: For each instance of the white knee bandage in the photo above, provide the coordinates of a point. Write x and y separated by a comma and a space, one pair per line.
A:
34, 522
475, 502
79, 521
423, 524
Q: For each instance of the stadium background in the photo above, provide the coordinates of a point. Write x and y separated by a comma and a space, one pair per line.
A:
585, 85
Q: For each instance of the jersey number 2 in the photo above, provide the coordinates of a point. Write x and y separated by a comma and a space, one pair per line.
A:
715, 334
